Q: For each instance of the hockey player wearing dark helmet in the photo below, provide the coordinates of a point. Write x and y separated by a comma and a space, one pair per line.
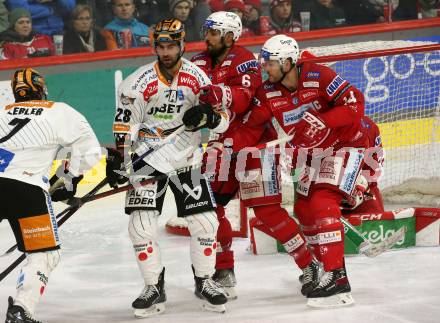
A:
27, 84
169, 44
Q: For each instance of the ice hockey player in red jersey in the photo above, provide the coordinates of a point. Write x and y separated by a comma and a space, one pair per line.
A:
235, 74
323, 112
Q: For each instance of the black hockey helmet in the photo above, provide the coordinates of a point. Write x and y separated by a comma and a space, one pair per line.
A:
170, 30
27, 84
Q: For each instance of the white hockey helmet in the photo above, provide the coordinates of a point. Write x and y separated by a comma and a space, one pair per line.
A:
279, 48
224, 22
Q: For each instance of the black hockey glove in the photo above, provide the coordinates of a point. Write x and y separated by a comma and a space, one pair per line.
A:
201, 116
63, 188
114, 162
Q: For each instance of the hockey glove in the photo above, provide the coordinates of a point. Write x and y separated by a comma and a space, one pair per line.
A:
63, 188
216, 95
114, 162
357, 197
309, 130
201, 116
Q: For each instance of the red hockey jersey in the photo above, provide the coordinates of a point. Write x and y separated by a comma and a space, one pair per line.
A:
375, 156
335, 101
241, 72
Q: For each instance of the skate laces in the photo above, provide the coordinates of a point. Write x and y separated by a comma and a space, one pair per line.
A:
226, 280
309, 272
211, 287
148, 292
30, 317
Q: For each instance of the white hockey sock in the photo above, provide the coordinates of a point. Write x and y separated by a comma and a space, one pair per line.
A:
33, 278
142, 228
203, 230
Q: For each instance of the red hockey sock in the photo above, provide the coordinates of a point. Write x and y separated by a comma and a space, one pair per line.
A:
286, 230
225, 256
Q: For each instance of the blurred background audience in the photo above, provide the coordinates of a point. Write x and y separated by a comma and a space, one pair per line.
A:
21, 41
82, 36
125, 31
96, 25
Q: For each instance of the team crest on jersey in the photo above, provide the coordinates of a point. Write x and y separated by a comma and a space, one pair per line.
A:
335, 85
295, 100
378, 141
251, 64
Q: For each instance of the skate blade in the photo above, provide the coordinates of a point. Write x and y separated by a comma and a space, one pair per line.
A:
205, 305
230, 293
338, 300
154, 310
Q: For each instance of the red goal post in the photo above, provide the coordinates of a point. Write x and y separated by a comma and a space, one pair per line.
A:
401, 84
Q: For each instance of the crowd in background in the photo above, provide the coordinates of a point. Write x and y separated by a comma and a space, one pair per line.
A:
35, 28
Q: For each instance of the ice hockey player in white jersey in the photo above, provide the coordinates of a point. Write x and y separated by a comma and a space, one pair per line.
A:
155, 101
32, 130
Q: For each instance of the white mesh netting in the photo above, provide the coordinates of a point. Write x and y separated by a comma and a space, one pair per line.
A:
402, 95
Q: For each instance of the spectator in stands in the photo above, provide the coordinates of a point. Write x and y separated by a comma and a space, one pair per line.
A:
361, 12
125, 31
102, 11
148, 11
325, 14
430, 8
251, 18
47, 15
181, 9
235, 6
20, 41
281, 18
406, 10
199, 12
4, 23
82, 37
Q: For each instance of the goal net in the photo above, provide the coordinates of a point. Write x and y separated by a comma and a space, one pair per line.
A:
401, 84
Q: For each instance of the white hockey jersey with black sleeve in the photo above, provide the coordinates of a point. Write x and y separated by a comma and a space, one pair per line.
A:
34, 133
149, 109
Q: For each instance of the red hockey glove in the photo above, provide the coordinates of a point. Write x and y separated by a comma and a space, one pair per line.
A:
216, 95
310, 130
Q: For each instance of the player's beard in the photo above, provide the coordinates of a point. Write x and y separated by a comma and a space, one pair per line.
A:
216, 52
169, 62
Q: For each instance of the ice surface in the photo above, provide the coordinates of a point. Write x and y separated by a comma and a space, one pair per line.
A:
98, 279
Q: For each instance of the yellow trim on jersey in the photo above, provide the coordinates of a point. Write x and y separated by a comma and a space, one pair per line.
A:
31, 104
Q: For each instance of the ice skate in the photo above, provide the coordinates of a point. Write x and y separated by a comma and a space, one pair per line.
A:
211, 293
226, 278
16, 314
333, 291
152, 299
310, 277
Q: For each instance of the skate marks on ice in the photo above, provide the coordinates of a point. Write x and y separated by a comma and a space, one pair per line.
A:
97, 280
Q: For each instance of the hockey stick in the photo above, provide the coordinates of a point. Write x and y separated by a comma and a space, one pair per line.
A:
88, 197
367, 247
68, 212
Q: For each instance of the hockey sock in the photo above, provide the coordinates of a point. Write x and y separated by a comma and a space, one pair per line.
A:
286, 230
142, 229
33, 278
224, 256
203, 229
